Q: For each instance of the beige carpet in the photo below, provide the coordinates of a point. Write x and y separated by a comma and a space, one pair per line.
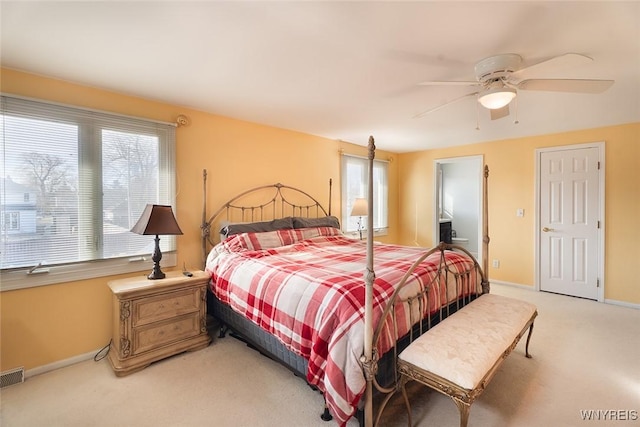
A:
586, 357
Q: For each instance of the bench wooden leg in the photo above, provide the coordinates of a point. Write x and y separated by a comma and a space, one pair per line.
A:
526, 351
464, 409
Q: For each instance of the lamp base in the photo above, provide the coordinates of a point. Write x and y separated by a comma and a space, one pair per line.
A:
156, 273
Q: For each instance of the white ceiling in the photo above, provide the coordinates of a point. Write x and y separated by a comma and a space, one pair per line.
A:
341, 70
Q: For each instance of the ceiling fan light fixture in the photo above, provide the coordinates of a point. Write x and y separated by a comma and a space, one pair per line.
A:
496, 97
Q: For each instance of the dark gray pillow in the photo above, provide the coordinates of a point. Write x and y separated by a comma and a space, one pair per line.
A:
325, 221
258, 227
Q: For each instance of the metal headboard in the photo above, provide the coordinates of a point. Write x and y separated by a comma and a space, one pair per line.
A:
273, 204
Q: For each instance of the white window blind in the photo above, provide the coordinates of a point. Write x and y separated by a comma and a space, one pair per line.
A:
354, 185
73, 183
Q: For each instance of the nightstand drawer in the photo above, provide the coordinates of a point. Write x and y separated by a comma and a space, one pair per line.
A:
155, 335
165, 306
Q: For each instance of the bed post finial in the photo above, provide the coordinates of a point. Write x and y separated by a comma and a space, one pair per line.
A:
372, 148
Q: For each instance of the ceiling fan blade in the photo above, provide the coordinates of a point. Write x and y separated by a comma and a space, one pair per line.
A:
448, 83
564, 61
566, 85
499, 113
424, 113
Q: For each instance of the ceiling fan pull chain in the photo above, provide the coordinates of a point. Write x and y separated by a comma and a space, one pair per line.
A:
516, 121
477, 113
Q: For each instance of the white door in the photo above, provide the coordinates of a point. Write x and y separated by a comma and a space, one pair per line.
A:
569, 223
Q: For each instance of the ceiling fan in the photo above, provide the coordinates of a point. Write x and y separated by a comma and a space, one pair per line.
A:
498, 80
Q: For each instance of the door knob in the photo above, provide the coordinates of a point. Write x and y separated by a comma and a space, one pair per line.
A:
547, 229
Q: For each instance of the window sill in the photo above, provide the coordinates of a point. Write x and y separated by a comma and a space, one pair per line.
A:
21, 279
376, 233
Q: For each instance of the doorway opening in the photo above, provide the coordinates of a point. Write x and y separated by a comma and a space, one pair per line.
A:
458, 202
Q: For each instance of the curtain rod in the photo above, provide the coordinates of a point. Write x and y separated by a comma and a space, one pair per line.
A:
92, 110
342, 153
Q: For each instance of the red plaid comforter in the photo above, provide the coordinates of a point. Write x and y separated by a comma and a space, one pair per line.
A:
306, 287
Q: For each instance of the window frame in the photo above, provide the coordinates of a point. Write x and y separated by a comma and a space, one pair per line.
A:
32, 276
381, 229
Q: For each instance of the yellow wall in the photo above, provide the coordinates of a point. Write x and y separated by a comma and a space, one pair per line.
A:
512, 186
43, 325
47, 324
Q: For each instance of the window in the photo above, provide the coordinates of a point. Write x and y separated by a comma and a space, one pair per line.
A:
73, 183
354, 185
11, 221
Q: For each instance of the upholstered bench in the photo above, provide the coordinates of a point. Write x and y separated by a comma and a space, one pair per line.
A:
459, 356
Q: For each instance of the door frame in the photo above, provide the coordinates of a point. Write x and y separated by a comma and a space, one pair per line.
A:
477, 160
601, 210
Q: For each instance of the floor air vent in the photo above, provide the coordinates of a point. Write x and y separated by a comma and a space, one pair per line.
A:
14, 376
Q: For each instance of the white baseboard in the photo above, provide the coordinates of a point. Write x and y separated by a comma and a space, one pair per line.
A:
516, 285
622, 303
531, 288
60, 364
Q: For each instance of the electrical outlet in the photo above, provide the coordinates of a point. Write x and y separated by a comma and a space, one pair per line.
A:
496, 263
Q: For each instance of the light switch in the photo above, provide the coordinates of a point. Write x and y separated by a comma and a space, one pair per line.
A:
520, 212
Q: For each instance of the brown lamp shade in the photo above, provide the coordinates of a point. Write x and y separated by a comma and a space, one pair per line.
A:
157, 219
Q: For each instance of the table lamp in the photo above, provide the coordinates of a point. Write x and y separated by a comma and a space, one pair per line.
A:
157, 219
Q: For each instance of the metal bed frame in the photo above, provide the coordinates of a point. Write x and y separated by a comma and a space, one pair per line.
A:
282, 200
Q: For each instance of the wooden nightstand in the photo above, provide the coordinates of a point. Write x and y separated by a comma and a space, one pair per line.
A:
154, 319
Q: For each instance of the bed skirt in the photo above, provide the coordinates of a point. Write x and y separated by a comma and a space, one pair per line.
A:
271, 347
255, 336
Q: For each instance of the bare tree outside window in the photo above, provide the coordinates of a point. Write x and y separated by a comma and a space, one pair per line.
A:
130, 175
130, 181
52, 176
